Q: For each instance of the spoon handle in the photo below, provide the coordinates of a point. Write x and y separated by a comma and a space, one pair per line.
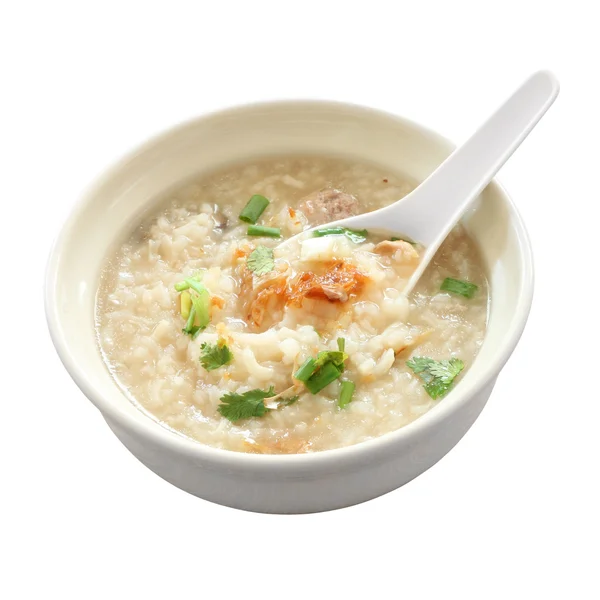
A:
434, 208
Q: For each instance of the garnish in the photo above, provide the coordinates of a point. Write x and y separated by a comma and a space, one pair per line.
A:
215, 355
259, 230
191, 329
186, 304
236, 407
399, 239
284, 398
337, 357
436, 375
341, 281
346, 392
195, 305
309, 371
322, 378
253, 209
317, 373
358, 237
201, 304
457, 286
261, 260
306, 370
187, 282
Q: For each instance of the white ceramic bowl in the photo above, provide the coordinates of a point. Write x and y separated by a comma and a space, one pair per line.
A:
279, 483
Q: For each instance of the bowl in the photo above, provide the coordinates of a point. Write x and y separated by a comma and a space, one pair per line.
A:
299, 483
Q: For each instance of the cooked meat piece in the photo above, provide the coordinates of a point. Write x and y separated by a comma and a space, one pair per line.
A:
328, 205
340, 281
402, 251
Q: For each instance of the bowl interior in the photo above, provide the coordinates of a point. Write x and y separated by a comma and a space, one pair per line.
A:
118, 201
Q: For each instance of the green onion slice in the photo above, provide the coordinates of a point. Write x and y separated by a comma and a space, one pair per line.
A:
322, 378
346, 393
201, 306
253, 209
191, 329
185, 284
306, 370
259, 230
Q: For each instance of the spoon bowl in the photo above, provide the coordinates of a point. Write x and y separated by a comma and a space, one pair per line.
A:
431, 211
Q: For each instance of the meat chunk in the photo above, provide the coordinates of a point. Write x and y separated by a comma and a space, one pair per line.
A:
328, 205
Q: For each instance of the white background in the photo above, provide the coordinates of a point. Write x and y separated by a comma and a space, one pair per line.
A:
511, 512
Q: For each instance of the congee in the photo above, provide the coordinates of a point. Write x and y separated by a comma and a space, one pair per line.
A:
223, 337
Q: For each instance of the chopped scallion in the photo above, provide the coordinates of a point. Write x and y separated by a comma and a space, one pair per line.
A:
358, 237
456, 286
190, 328
185, 284
253, 209
186, 304
195, 285
259, 230
201, 305
346, 392
322, 378
341, 342
306, 370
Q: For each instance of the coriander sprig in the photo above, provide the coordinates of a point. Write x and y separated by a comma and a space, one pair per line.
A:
236, 407
261, 261
437, 376
459, 287
216, 355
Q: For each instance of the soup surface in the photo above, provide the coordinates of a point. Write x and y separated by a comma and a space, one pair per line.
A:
303, 348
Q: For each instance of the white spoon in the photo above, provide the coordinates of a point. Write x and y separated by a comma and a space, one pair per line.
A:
428, 214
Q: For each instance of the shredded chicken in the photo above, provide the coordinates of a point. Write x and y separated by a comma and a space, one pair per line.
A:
340, 281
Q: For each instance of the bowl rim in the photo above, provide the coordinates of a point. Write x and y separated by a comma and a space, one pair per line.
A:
151, 430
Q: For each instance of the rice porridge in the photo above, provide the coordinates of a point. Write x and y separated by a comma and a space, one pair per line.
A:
220, 335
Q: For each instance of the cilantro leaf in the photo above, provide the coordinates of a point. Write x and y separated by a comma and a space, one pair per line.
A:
459, 287
437, 376
215, 355
261, 260
236, 407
